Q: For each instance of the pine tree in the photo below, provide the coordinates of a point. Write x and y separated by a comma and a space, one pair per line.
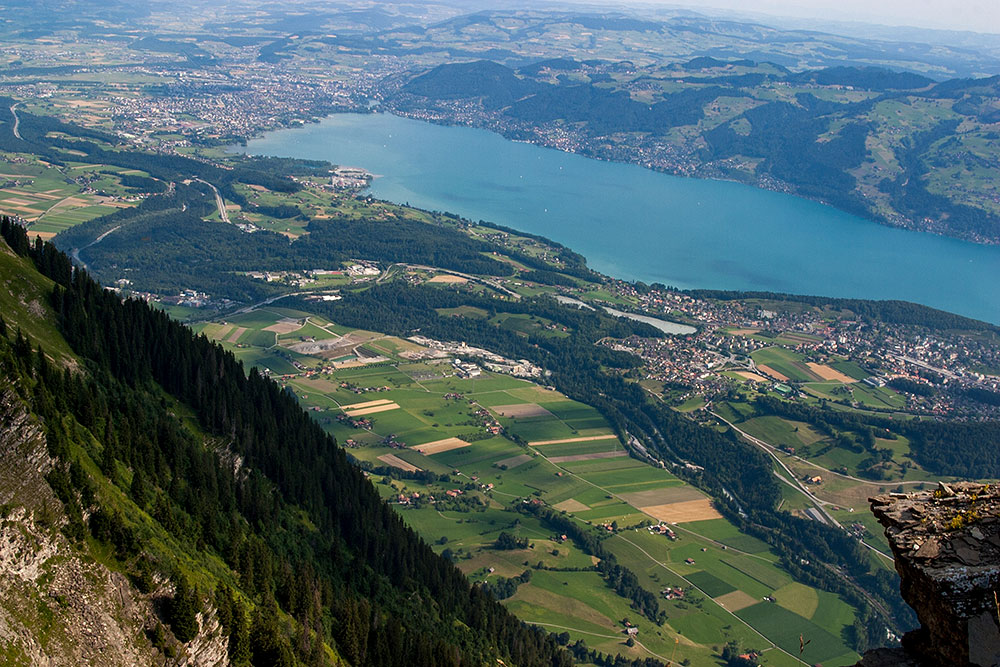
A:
139, 489
182, 610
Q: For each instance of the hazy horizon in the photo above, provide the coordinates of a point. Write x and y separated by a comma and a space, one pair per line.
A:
978, 16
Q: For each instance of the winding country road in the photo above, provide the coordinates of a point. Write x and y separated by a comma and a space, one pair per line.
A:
17, 122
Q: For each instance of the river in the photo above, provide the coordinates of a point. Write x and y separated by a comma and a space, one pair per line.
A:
637, 224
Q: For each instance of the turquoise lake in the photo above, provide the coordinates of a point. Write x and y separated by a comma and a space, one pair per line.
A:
637, 224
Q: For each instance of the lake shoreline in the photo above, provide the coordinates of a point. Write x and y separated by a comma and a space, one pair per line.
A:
766, 184
707, 233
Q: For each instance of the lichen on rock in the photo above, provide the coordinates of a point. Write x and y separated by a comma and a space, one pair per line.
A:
946, 544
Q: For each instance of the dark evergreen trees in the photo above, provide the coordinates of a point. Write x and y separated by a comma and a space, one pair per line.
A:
182, 609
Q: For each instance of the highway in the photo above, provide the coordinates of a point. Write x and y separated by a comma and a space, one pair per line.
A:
219, 201
17, 122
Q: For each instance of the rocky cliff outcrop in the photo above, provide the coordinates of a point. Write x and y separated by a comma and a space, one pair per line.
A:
58, 606
947, 548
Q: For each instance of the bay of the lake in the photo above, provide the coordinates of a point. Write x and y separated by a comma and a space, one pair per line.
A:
638, 224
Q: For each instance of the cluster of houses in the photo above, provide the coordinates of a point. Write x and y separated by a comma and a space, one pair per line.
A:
474, 478
355, 422
391, 441
353, 388
404, 499
663, 529
415, 498
489, 421
673, 593
630, 628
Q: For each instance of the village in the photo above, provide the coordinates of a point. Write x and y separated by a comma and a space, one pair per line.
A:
730, 331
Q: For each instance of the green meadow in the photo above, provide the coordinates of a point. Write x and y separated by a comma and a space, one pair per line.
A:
592, 481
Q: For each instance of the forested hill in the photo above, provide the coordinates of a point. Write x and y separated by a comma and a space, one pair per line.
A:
189, 468
894, 146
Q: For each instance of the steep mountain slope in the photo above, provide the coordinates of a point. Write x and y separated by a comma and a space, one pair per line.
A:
159, 499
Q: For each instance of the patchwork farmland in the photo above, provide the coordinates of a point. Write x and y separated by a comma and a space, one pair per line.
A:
459, 456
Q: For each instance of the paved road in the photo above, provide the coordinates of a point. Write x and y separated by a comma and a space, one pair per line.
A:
219, 201
793, 481
75, 253
17, 122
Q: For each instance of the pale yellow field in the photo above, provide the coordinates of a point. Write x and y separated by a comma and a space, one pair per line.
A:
736, 600
773, 373
397, 462
448, 279
438, 446
692, 510
373, 410
751, 376
828, 373
217, 331
571, 506
33, 195
69, 202
284, 327
366, 404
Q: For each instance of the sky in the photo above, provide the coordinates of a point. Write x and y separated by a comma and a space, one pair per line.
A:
974, 15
